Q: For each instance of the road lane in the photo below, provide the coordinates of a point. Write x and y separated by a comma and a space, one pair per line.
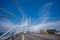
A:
26, 36
31, 37
52, 37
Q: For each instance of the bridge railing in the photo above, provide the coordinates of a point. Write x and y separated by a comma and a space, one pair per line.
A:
14, 37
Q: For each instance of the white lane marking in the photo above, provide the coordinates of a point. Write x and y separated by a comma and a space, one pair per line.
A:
22, 37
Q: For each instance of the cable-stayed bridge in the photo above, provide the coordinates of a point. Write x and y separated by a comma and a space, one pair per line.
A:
14, 34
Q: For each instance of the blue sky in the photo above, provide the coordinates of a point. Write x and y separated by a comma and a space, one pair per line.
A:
31, 8
40, 11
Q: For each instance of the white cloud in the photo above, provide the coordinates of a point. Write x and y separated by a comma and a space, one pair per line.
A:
6, 25
36, 28
44, 11
45, 26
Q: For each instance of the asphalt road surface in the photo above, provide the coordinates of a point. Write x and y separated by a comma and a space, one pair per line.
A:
40, 37
26, 36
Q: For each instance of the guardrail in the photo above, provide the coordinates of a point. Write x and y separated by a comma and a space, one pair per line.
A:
14, 37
